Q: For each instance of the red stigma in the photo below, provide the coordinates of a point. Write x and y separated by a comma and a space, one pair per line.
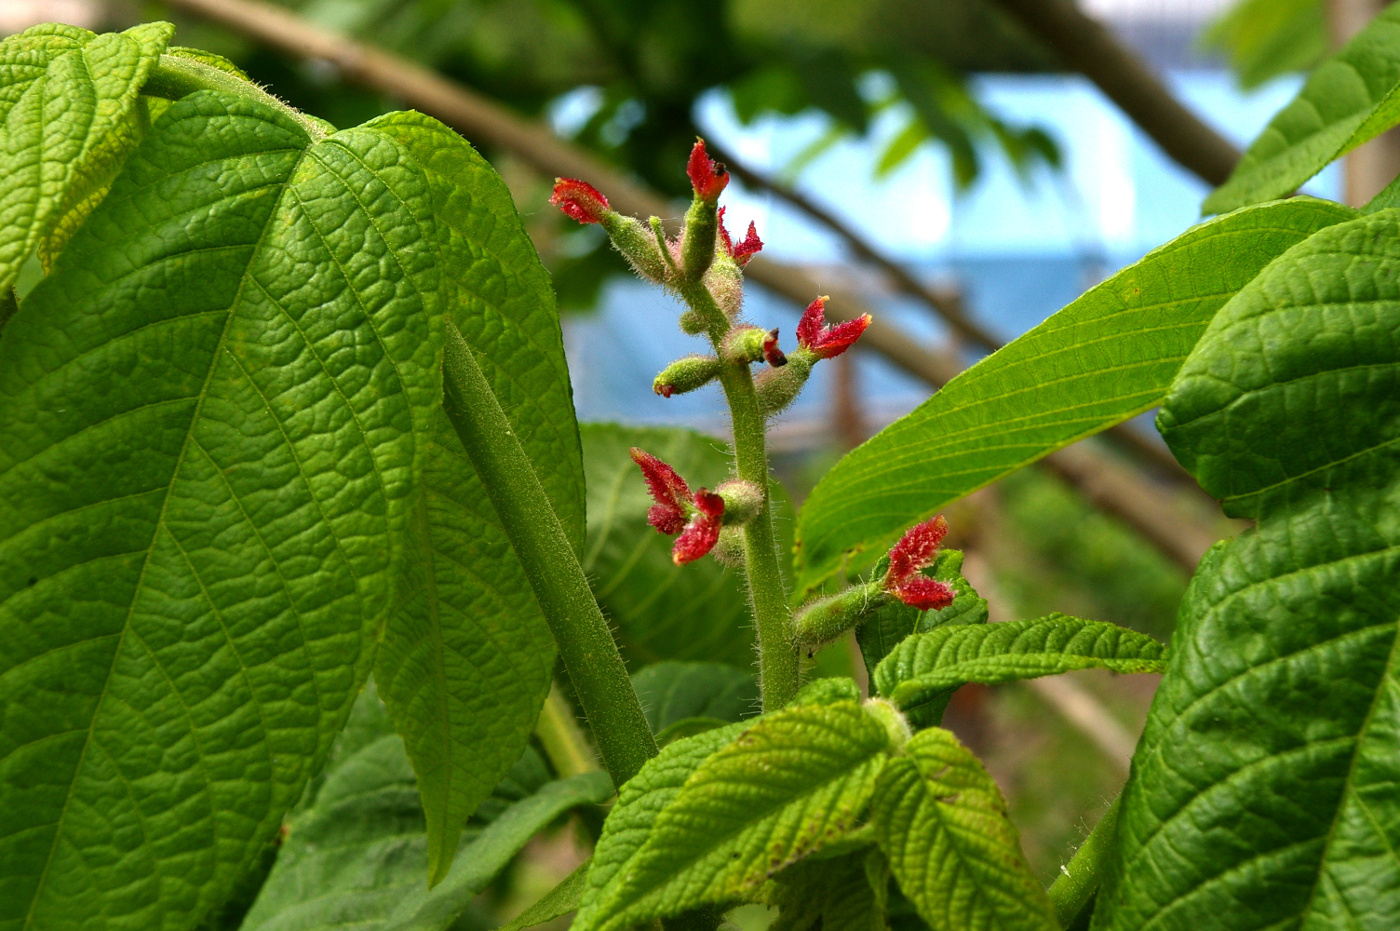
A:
579, 200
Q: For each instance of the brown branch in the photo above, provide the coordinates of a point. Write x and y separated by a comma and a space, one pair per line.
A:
482, 120
1085, 45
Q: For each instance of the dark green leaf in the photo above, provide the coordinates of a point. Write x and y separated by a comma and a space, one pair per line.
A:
1352, 97
847, 893
466, 661
1263, 790
1106, 357
929, 667
358, 855
68, 102
944, 826
672, 691
212, 411
787, 786
560, 900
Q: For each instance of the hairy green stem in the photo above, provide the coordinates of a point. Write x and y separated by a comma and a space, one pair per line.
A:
175, 76
778, 665
585, 642
1074, 888
563, 740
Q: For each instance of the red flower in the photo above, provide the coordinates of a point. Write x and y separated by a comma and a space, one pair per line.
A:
915, 551
707, 177
580, 200
697, 518
827, 341
745, 250
771, 352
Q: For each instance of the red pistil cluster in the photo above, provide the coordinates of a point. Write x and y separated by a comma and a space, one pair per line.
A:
697, 518
827, 341
916, 550
745, 250
771, 353
580, 200
707, 177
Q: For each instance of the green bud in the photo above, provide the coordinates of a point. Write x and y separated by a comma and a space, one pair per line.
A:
744, 344
892, 719
686, 374
742, 500
779, 387
637, 245
823, 620
698, 242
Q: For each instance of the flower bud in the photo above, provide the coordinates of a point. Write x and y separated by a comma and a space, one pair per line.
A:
742, 500
824, 619
744, 344
915, 551
686, 374
707, 177
579, 200
779, 387
745, 250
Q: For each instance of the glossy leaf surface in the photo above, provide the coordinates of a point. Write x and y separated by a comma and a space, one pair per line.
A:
1263, 791
1350, 98
211, 412
68, 116
788, 785
941, 821
466, 662
1106, 357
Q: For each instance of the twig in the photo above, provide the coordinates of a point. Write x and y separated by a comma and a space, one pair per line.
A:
483, 121
1085, 45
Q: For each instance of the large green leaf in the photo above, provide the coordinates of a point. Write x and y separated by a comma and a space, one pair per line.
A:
928, 667
357, 856
1106, 357
695, 612
1263, 791
792, 783
68, 116
210, 411
673, 691
943, 824
466, 661
1350, 98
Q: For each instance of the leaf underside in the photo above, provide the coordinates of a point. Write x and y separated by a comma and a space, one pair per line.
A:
1263, 791
466, 661
210, 439
1108, 356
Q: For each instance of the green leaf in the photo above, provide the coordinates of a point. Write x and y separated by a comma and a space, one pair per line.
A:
68, 117
358, 855
1268, 38
1106, 357
673, 691
944, 826
929, 667
1263, 790
847, 893
466, 662
210, 410
1350, 98
792, 783
560, 900
695, 612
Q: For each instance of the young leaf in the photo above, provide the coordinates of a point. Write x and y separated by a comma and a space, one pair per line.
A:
705, 614
787, 786
68, 118
928, 667
1350, 98
560, 900
466, 661
1106, 357
673, 691
1263, 790
356, 856
210, 412
944, 826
